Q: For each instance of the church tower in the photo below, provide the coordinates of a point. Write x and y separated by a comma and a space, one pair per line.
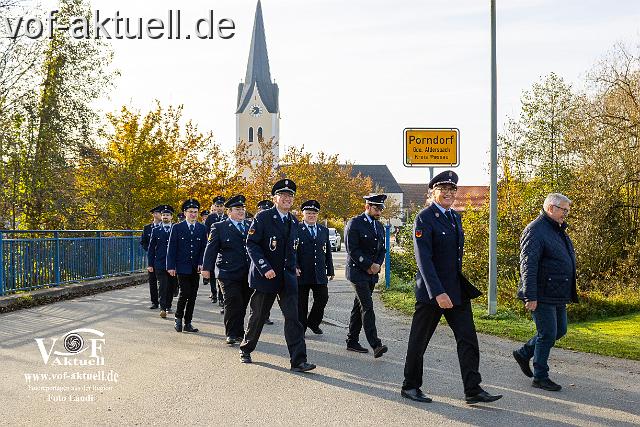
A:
257, 111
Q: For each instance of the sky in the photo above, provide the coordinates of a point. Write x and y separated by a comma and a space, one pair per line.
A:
353, 74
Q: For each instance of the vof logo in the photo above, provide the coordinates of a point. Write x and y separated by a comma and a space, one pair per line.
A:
77, 353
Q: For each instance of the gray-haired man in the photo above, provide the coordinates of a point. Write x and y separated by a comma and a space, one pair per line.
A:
548, 283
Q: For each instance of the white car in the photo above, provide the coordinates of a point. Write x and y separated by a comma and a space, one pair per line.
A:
334, 240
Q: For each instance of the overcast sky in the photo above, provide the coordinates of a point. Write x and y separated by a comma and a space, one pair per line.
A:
353, 74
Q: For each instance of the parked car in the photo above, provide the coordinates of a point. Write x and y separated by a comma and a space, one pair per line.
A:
335, 240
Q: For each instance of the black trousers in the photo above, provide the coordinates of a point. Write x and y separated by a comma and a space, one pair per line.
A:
460, 320
236, 298
260, 304
362, 315
189, 284
167, 286
320, 299
153, 287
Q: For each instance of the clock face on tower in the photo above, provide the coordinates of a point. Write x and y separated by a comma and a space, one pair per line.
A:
255, 110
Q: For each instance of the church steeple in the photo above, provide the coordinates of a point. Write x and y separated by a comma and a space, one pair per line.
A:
258, 74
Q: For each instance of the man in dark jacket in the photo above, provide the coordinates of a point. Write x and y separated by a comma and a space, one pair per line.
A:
215, 215
442, 290
157, 257
315, 267
272, 241
184, 259
364, 241
547, 284
144, 242
227, 253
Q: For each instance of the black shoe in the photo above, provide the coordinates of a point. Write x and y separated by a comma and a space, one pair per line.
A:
415, 394
380, 350
303, 367
178, 326
222, 311
245, 357
482, 397
546, 384
355, 346
214, 299
268, 322
232, 340
153, 306
316, 330
524, 364
169, 311
189, 328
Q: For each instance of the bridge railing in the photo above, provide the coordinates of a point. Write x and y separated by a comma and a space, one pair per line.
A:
33, 259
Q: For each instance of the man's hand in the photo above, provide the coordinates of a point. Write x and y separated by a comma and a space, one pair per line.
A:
331, 277
206, 274
444, 301
199, 268
172, 273
150, 269
375, 268
298, 271
531, 305
270, 274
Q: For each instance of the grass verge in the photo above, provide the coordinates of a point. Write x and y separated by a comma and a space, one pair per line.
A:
614, 336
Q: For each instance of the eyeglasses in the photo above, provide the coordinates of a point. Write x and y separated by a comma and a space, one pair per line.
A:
566, 211
451, 190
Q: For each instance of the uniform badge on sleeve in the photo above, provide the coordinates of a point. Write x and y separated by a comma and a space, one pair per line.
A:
418, 233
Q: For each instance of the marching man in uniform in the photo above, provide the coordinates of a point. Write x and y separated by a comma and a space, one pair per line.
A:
144, 242
184, 259
442, 290
157, 257
227, 253
315, 267
364, 241
216, 215
272, 242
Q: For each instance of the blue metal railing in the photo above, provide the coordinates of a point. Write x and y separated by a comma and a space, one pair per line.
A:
33, 259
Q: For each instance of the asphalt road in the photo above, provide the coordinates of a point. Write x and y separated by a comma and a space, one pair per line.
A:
167, 378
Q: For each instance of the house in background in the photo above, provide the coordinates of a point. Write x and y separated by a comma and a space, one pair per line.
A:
384, 180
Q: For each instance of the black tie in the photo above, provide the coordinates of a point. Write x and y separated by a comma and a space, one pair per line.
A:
191, 227
241, 228
313, 232
166, 228
450, 216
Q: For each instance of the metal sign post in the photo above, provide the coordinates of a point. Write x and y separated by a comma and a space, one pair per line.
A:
493, 201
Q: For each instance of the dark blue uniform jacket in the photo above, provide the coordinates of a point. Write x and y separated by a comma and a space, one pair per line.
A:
364, 247
226, 252
272, 246
439, 248
146, 236
158, 244
314, 256
186, 248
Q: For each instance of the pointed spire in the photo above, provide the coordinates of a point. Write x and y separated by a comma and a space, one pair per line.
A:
258, 65
258, 73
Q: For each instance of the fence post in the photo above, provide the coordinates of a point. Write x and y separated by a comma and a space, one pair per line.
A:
56, 256
387, 256
132, 256
1, 265
99, 235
